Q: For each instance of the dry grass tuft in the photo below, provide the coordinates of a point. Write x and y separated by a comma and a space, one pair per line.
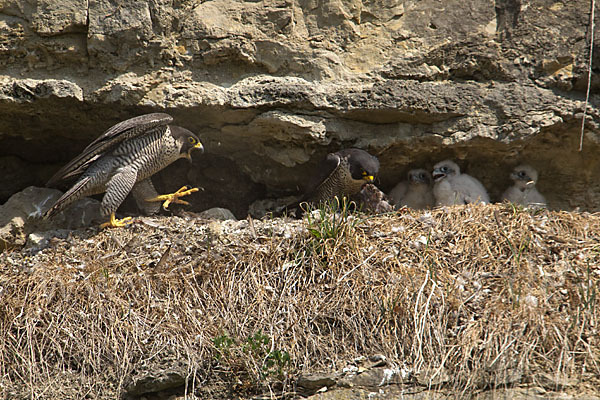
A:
472, 297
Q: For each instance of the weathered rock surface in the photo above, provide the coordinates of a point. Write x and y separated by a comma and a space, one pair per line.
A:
375, 378
167, 373
21, 216
272, 86
217, 213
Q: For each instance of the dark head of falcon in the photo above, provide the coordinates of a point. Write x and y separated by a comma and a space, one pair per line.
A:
187, 141
362, 165
341, 174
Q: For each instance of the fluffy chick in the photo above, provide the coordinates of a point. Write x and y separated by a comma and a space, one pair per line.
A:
523, 191
451, 187
416, 192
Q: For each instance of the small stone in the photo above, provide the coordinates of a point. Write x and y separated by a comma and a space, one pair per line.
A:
359, 359
350, 369
218, 213
37, 241
419, 243
376, 377
537, 390
531, 301
314, 382
22, 214
378, 360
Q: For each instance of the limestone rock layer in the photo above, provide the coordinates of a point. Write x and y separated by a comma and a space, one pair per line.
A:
272, 86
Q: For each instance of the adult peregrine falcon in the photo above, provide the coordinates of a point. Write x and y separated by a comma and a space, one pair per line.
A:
122, 160
342, 174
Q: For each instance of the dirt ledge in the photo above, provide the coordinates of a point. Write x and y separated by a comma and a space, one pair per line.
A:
470, 301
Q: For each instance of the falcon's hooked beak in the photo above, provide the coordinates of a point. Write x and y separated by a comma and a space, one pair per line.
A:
198, 146
437, 175
368, 178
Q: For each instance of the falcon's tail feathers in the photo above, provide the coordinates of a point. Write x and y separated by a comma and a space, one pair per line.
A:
71, 195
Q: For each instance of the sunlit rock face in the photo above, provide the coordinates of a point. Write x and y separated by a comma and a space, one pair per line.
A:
272, 86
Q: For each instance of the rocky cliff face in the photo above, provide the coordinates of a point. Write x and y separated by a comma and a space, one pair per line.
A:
271, 86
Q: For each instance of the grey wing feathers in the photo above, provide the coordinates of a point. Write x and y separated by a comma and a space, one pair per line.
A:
67, 197
113, 136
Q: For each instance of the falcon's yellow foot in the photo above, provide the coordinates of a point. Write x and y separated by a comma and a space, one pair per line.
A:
174, 197
116, 223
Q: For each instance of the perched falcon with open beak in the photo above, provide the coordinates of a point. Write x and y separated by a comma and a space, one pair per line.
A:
122, 160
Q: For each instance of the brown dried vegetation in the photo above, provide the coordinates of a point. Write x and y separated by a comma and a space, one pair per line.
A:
485, 295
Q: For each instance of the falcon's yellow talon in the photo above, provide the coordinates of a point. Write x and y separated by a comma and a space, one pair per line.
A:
116, 223
167, 199
184, 191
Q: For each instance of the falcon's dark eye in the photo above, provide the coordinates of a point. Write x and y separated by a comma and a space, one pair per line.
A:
522, 174
192, 140
444, 169
422, 175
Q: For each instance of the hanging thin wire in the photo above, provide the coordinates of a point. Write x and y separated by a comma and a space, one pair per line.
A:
587, 95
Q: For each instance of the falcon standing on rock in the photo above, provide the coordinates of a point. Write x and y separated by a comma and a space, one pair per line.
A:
523, 191
451, 187
122, 160
342, 174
